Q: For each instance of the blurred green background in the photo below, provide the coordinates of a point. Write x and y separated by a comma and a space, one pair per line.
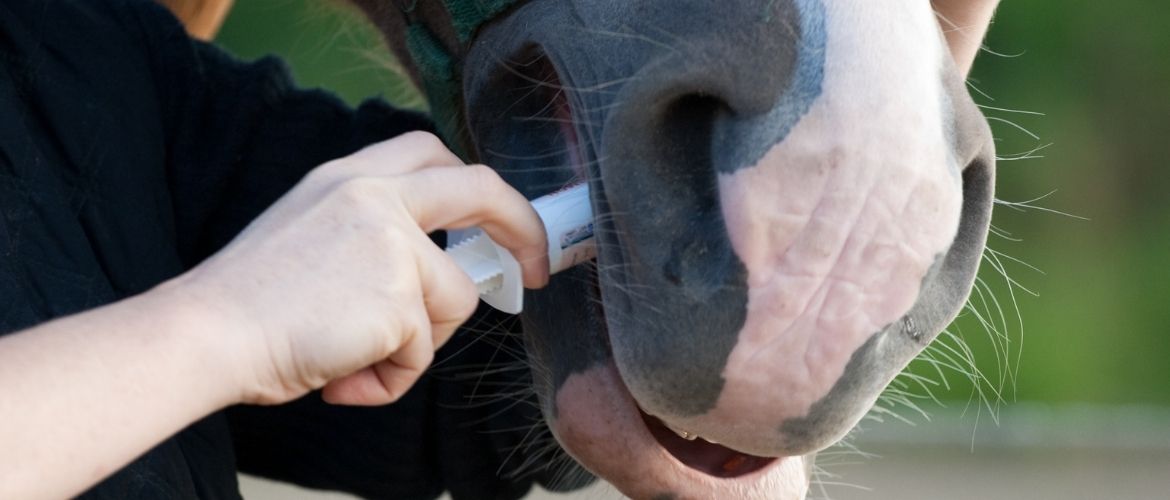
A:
1084, 86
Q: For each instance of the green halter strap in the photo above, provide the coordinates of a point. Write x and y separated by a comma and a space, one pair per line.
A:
438, 70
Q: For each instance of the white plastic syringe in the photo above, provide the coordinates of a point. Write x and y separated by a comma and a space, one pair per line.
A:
568, 221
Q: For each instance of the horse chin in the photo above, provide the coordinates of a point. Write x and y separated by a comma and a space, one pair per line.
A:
601, 425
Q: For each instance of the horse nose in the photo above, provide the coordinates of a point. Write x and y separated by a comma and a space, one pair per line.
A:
709, 107
669, 152
712, 105
706, 108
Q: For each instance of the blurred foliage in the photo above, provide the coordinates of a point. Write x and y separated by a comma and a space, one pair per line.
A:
327, 44
1099, 74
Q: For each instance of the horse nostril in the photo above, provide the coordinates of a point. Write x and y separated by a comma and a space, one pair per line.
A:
683, 138
672, 251
682, 143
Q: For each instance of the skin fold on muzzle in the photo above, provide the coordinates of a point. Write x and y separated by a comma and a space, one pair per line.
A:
791, 199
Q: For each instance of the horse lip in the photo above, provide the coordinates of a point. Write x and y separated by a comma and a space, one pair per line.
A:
594, 406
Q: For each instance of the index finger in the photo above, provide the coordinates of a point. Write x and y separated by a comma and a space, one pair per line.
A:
403, 154
462, 197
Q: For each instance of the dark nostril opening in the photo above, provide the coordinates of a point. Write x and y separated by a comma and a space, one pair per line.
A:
684, 139
950, 288
681, 152
978, 181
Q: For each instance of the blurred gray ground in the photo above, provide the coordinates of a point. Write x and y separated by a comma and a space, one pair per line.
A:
1036, 453
911, 473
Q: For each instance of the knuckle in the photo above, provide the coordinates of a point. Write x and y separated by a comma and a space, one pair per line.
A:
426, 358
420, 324
487, 177
360, 193
408, 327
414, 320
326, 172
423, 140
466, 302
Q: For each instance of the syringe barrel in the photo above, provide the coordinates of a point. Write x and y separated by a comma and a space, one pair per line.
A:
568, 219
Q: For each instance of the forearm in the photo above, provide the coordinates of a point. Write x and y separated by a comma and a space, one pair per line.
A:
82, 396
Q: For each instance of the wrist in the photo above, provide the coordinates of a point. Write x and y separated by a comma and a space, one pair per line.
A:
212, 335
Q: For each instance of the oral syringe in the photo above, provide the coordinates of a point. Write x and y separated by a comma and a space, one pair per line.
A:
568, 221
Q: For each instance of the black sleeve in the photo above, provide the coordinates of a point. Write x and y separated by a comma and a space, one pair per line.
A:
239, 135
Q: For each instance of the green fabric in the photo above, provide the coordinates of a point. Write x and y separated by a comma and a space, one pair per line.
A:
441, 83
468, 15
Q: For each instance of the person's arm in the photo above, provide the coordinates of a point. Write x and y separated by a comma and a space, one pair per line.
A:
239, 136
337, 286
80, 397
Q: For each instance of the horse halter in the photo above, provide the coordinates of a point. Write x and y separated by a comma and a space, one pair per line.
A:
439, 69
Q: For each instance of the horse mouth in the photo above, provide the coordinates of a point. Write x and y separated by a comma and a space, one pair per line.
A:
592, 413
601, 425
702, 455
691, 450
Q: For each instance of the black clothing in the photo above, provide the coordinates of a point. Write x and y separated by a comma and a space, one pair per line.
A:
128, 153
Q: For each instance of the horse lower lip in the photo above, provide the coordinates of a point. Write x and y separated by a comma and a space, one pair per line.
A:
600, 425
704, 456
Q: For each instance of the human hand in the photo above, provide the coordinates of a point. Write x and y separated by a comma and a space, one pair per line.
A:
338, 286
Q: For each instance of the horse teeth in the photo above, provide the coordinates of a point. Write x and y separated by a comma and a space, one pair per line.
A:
689, 436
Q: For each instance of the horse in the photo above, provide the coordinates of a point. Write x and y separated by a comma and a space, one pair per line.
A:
791, 201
